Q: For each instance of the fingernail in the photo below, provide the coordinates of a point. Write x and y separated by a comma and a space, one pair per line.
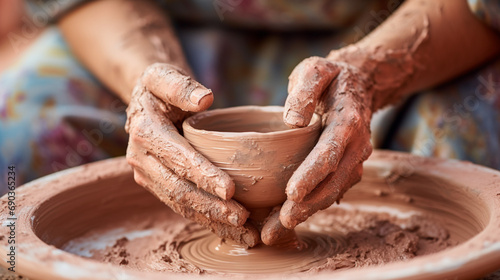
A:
197, 94
233, 219
250, 239
287, 221
295, 193
295, 119
292, 194
221, 192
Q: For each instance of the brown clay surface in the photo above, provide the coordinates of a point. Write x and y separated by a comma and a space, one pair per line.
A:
341, 237
97, 212
257, 150
253, 146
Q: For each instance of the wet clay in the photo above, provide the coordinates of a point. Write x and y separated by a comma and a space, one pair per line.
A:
255, 147
257, 150
341, 237
95, 222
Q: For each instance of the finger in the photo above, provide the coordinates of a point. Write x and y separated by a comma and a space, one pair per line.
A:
307, 83
244, 234
155, 133
273, 231
329, 191
167, 186
323, 159
173, 87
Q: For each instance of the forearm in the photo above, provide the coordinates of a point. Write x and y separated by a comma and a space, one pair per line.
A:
117, 39
422, 44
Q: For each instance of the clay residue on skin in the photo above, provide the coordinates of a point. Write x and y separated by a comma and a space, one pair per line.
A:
184, 180
358, 239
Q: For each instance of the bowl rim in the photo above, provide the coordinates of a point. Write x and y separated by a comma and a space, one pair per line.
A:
187, 125
482, 247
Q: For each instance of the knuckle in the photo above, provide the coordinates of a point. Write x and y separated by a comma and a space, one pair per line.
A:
333, 146
157, 66
359, 170
357, 175
332, 157
312, 69
318, 66
334, 143
139, 178
313, 60
367, 151
132, 161
135, 134
132, 157
138, 89
159, 69
150, 70
307, 65
354, 119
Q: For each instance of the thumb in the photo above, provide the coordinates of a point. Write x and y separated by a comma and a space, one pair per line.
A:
173, 87
306, 84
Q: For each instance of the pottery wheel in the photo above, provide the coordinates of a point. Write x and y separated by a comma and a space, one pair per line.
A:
209, 252
415, 217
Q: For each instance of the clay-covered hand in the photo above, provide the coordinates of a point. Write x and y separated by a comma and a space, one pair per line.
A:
342, 95
168, 166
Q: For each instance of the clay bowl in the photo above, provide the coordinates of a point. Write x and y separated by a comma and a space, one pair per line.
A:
59, 209
254, 146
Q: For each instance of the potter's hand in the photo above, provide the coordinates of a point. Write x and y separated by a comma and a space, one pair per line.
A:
340, 93
166, 164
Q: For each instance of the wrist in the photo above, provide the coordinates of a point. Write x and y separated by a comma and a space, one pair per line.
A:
137, 69
145, 43
388, 72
